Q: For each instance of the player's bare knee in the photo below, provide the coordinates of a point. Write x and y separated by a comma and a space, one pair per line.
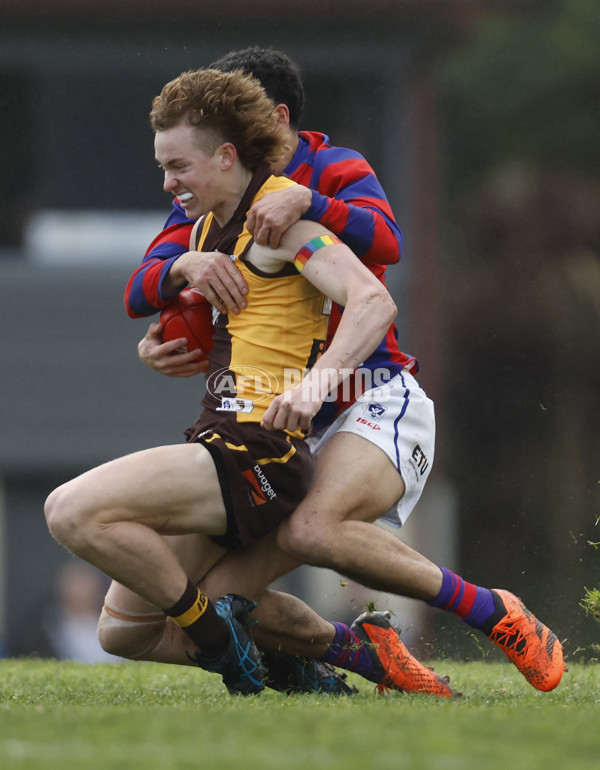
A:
299, 538
64, 518
56, 510
128, 639
111, 637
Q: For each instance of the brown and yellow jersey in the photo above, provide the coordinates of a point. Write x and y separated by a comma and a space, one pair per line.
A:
266, 348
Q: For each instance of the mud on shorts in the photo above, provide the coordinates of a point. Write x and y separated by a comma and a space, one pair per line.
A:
263, 474
399, 418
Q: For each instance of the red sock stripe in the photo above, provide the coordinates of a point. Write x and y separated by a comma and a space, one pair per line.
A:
457, 587
468, 600
346, 650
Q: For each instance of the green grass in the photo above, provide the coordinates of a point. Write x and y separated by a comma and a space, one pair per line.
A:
144, 715
591, 602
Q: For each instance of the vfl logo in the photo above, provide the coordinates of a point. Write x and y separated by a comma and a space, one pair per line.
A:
376, 411
260, 487
419, 460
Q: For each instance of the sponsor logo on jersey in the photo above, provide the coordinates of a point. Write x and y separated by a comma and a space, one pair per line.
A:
235, 405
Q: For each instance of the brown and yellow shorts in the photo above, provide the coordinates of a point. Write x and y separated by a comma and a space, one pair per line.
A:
263, 474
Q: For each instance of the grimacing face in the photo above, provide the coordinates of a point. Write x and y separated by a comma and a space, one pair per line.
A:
192, 175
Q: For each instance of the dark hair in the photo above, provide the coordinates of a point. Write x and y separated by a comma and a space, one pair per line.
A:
278, 75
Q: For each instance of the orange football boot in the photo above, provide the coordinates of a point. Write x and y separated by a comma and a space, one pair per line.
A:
394, 668
528, 643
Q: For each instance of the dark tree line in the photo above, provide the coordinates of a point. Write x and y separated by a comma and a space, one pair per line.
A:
521, 118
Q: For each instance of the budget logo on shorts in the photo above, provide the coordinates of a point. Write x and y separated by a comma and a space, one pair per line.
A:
260, 490
375, 411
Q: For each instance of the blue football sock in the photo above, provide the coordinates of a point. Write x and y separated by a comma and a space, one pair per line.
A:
474, 604
348, 652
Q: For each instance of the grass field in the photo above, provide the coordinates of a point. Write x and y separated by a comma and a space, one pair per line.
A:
144, 715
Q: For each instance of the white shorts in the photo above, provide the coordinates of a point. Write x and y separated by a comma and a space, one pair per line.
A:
399, 419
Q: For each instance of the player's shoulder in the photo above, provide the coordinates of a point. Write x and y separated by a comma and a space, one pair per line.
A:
332, 163
298, 235
326, 152
292, 241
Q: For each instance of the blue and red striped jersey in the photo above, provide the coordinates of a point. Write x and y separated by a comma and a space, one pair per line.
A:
143, 294
348, 199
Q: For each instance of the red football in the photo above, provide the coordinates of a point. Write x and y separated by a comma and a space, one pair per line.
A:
189, 316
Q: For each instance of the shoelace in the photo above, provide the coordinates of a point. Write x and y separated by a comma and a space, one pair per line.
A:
510, 637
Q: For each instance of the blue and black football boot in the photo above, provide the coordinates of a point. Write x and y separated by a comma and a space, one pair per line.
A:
295, 674
240, 665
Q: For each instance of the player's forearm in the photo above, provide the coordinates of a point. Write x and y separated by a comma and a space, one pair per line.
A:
176, 278
145, 293
365, 321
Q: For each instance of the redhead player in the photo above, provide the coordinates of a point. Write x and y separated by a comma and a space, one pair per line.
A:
391, 431
246, 464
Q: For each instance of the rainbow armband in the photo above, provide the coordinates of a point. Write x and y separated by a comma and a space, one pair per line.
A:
309, 249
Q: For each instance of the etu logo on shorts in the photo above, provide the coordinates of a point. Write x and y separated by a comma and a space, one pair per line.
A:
419, 460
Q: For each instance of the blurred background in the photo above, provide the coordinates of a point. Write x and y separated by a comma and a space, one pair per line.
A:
481, 119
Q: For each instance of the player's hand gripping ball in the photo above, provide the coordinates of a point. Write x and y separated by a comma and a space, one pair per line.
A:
189, 315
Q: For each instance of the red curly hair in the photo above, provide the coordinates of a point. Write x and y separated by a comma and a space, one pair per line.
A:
228, 107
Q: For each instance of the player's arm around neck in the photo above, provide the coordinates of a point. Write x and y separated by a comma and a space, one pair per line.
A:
211, 272
369, 311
